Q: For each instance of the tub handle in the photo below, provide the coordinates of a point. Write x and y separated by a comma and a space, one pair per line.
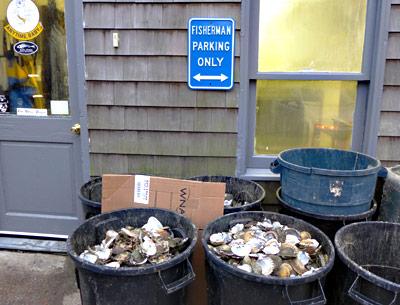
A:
275, 167
359, 297
318, 300
181, 283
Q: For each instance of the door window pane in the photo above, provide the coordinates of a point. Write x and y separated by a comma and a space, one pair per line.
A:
311, 35
303, 114
33, 82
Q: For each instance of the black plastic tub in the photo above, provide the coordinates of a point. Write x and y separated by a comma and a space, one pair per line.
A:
370, 264
241, 189
329, 224
161, 284
90, 196
229, 285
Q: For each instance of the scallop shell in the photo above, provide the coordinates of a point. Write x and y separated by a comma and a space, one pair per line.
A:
256, 244
305, 235
241, 250
267, 265
102, 253
272, 247
88, 257
292, 236
113, 265
266, 224
237, 228
298, 266
288, 251
285, 270
148, 246
111, 235
245, 267
153, 225
218, 239
304, 257
247, 236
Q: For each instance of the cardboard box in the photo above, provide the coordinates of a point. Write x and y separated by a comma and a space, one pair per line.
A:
202, 202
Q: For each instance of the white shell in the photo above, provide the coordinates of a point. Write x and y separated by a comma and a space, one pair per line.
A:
228, 203
272, 247
311, 271
303, 257
245, 267
218, 239
292, 239
102, 253
256, 244
241, 250
148, 246
276, 225
111, 235
237, 228
266, 224
88, 257
113, 265
267, 265
153, 225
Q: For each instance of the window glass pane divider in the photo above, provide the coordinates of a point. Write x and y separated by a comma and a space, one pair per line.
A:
310, 76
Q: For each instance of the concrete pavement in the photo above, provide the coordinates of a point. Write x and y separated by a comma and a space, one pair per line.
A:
37, 279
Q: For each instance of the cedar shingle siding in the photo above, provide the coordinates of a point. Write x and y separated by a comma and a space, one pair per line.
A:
389, 131
143, 118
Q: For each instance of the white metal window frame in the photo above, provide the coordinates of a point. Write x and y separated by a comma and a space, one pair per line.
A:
369, 90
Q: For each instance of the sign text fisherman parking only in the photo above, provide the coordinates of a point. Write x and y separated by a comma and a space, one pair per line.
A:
211, 53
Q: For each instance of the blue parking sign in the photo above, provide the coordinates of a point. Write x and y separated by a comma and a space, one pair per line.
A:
211, 46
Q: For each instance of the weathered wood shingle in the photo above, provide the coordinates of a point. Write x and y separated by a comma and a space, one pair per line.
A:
389, 131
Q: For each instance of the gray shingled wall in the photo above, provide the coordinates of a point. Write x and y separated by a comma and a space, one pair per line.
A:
389, 133
142, 116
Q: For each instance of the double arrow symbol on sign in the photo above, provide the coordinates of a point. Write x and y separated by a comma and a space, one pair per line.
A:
200, 77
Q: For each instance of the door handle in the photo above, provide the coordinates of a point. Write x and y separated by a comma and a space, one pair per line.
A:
76, 129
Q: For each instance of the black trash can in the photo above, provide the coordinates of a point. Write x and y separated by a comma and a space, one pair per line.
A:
161, 284
369, 262
329, 224
241, 190
228, 285
90, 196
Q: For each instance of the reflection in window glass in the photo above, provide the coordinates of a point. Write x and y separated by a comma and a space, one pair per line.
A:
311, 35
303, 114
39, 80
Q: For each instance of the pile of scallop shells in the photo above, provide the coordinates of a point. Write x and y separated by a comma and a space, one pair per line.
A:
151, 244
232, 201
269, 248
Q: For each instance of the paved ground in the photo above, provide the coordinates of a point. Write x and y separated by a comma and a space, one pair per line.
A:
37, 279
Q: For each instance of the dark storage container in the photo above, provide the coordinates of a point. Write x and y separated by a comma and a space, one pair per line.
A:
161, 284
327, 181
90, 196
241, 189
329, 224
390, 203
228, 285
368, 255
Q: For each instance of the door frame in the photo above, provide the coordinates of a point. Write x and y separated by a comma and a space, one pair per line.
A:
76, 74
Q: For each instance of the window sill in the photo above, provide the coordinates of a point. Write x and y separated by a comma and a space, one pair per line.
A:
259, 174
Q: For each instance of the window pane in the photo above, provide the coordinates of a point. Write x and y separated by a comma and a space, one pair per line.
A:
34, 75
303, 114
311, 35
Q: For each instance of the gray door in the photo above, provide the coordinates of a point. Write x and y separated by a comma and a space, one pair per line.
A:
42, 161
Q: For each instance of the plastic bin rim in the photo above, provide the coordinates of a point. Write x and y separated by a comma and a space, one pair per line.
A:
377, 280
245, 205
363, 215
132, 271
329, 172
323, 271
88, 202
